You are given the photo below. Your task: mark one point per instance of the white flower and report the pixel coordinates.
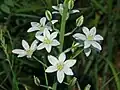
(41, 26)
(59, 9)
(28, 50)
(90, 39)
(61, 66)
(47, 40)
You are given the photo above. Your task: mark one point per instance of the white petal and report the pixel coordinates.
(19, 51)
(46, 33)
(93, 31)
(67, 70)
(54, 21)
(55, 43)
(48, 27)
(53, 60)
(74, 11)
(70, 62)
(79, 36)
(53, 35)
(96, 45)
(60, 76)
(21, 55)
(33, 24)
(43, 21)
(55, 12)
(39, 37)
(33, 29)
(40, 46)
(38, 33)
(87, 51)
(48, 47)
(34, 45)
(86, 31)
(87, 44)
(62, 57)
(25, 45)
(55, 7)
(51, 69)
(98, 37)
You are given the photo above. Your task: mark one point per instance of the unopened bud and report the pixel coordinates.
(70, 4)
(79, 21)
(48, 15)
(36, 81)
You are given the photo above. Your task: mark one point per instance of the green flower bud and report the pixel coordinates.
(48, 15)
(73, 81)
(70, 4)
(79, 21)
(87, 87)
(36, 81)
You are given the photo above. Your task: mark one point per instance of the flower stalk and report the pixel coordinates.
(63, 23)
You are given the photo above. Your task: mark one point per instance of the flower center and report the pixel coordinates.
(47, 41)
(60, 66)
(29, 52)
(90, 37)
(41, 27)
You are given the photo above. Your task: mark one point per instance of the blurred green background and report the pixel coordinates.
(101, 71)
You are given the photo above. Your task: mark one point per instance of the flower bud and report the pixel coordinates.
(87, 87)
(73, 81)
(36, 81)
(79, 21)
(48, 15)
(70, 4)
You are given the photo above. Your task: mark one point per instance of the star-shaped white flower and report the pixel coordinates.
(59, 10)
(28, 50)
(41, 26)
(61, 66)
(48, 40)
(90, 39)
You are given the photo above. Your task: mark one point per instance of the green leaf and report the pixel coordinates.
(5, 8)
(9, 2)
(15, 83)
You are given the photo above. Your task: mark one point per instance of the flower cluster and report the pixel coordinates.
(47, 38)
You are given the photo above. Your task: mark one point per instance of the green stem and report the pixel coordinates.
(63, 23)
(46, 79)
(46, 87)
(40, 61)
(77, 53)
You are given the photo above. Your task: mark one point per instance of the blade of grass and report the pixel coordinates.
(98, 5)
(109, 59)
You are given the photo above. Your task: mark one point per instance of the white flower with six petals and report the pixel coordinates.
(61, 66)
(48, 40)
(90, 39)
(41, 26)
(28, 49)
